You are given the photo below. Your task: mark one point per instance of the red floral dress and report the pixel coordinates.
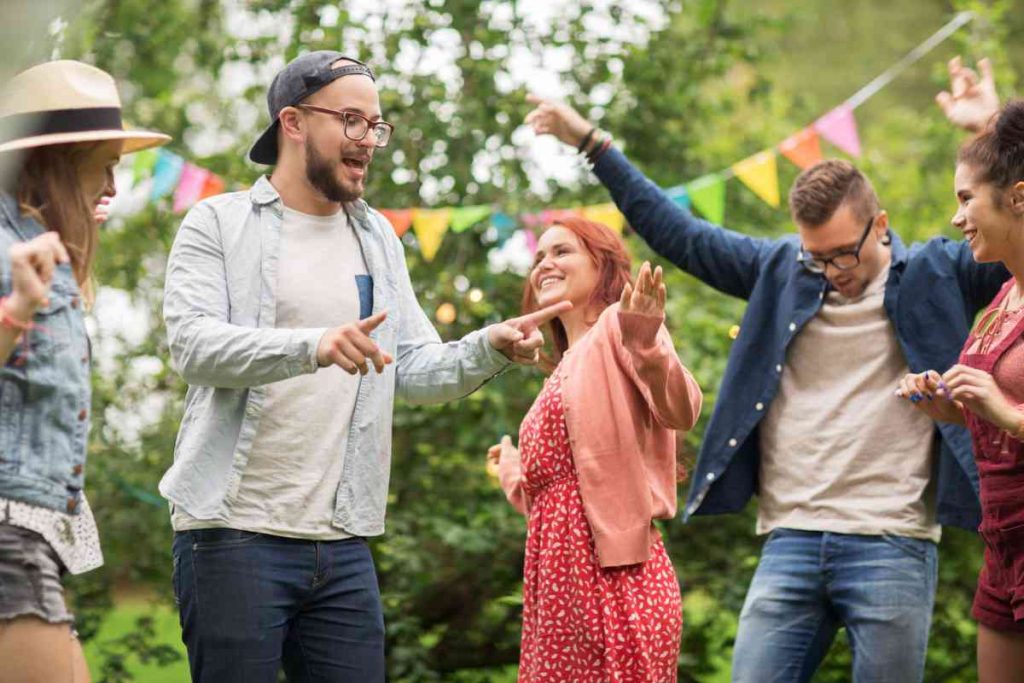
(582, 623)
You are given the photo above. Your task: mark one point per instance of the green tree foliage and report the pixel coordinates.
(687, 87)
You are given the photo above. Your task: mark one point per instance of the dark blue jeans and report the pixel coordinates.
(808, 584)
(251, 604)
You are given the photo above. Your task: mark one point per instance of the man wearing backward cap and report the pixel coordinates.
(278, 301)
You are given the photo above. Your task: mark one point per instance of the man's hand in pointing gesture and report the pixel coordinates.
(350, 347)
(520, 339)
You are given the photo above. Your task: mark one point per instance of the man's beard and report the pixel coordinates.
(320, 173)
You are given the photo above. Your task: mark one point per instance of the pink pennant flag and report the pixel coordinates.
(840, 128)
(190, 187)
(531, 240)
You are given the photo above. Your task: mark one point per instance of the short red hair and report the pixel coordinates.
(614, 265)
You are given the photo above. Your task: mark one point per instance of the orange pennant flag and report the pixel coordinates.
(803, 148)
(400, 219)
(214, 186)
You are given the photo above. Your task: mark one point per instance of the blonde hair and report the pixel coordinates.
(50, 191)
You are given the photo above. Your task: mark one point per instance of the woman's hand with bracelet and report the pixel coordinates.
(559, 119)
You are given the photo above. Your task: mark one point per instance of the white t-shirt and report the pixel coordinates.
(839, 452)
(291, 479)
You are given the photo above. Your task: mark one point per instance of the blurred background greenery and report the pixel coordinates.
(686, 87)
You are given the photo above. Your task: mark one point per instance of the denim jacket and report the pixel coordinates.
(220, 307)
(933, 292)
(45, 393)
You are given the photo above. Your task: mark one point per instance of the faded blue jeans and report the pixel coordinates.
(251, 604)
(808, 584)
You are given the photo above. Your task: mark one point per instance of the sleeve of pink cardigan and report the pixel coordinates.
(646, 348)
(510, 475)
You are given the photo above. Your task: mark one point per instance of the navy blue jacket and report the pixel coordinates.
(933, 292)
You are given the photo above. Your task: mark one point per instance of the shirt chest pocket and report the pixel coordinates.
(54, 323)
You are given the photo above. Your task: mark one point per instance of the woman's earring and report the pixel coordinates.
(887, 240)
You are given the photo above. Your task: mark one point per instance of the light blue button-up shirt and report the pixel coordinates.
(220, 304)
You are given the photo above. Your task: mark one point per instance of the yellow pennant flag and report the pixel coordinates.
(430, 226)
(605, 213)
(761, 175)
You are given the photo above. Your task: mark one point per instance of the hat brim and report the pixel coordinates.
(134, 140)
(264, 151)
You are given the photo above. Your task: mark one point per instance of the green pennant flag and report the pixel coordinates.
(707, 194)
(143, 164)
(466, 216)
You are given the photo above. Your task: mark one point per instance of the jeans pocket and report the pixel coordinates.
(209, 539)
(915, 547)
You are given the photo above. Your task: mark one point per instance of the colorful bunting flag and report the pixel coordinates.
(465, 216)
(190, 187)
(549, 216)
(430, 226)
(400, 219)
(707, 194)
(166, 172)
(803, 148)
(607, 214)
(504, 225)
(143, 164)
(531, 240)
(214, 186)
(760, 173)
(679, 195)
(840, 128)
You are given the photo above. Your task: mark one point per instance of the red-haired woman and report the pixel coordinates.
(596, 464)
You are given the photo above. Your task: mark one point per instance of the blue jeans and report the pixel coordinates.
(809, 583)
(251, 604)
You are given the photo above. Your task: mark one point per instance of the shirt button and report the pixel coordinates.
(732, 443)
(72, 504)
(778, 368)
(711, 476)
(85, 359)
(76, 470)
(759, 406)
(792, 327)
(82, 414)
(74, 302)
(821, 294)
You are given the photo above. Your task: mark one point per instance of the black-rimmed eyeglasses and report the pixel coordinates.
(357, 125)
(845, 259)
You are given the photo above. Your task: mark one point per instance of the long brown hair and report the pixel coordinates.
(50, 191)
(609, 254)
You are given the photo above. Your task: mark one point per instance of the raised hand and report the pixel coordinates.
(558, 119)
(520, 339)
(930, 395)
(972, 102)
(32, 266)
(350, 346)
(647, 296)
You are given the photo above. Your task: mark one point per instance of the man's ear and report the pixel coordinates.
(292, 123)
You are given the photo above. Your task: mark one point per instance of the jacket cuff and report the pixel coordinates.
(311, 340)
(493, 359)
(5, 273)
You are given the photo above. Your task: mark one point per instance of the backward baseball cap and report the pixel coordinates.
(302, 77)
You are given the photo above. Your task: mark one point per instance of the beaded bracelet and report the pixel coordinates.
(586, 139)
(599, 149)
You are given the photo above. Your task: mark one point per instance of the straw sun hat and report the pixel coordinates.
(63, 102)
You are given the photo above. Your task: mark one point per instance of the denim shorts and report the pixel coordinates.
(30, 574)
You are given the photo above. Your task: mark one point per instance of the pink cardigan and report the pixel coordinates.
(625, 392)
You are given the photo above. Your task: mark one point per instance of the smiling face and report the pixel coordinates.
(563, 270)
(982, 215)
(841, 234)
(335, 164)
